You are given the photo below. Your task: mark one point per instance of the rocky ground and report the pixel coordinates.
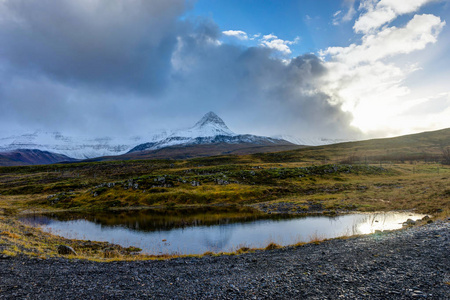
(412, 263)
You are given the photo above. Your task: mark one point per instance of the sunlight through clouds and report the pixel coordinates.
(366, 79)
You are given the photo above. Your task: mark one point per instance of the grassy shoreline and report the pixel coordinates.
(17, 238)
(288, 187)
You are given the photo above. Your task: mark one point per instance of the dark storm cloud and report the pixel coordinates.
(128, 65)
(109, 43)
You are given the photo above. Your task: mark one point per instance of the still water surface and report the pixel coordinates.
(198, 231)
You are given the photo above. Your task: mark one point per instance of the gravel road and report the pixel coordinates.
(408, 264)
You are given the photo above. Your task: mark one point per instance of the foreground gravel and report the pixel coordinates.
(413, 263)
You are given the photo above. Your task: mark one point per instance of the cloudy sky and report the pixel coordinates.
(307, 68)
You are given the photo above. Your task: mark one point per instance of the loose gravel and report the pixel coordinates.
(407, 264)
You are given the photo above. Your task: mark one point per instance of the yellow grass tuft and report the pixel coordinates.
(272, 246)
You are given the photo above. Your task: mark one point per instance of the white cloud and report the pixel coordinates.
(269, 40)
(255, 36)
(273, 42)
(339, 16)
(381, 12)
(351, 12)
(239, 34)
(365, 80)
(420, 31)
(269, 37)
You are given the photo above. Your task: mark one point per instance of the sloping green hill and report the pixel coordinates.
(426, 146)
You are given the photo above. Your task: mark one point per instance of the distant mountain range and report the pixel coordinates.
(209, 136)
(74, 147)
(311, 141)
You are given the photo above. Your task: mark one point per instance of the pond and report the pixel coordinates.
(195, 231)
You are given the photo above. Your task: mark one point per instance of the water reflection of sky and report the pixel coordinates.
(227, 237)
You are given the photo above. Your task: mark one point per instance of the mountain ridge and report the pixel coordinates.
(210, 129)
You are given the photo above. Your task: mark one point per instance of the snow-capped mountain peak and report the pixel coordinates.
(211, 129)
(211, 119)
(210, 125)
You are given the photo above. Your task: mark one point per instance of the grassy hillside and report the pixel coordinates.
(426, 146)
(396, 173)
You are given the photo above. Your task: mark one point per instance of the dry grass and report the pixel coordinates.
(315, 238)
(17, 238)
(424, 190)
(272, 246)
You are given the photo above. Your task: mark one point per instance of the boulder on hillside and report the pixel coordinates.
(66, 250)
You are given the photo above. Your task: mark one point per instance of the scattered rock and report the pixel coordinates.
(222, 182)
(409, 222)
(66, 250)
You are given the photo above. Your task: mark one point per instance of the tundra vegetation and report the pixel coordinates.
(405, 173)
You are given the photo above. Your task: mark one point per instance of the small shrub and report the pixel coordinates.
(272, 246)
(110, 253)
(243, 250)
